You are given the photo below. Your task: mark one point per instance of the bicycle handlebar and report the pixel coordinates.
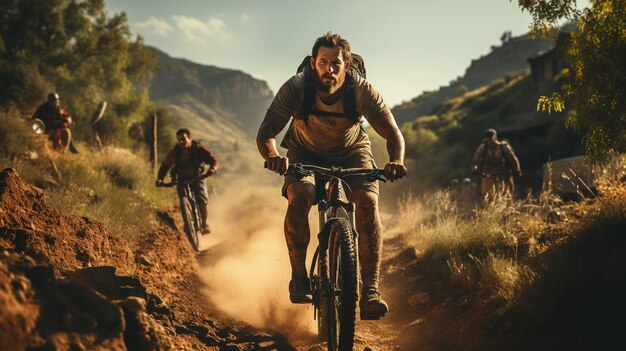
(299, 170)
(185, 182)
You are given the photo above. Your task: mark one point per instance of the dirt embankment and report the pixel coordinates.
(67, 283)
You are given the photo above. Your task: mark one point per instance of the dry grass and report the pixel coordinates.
(502, 246)
(115, 186)
(581, 281)
(479, 248)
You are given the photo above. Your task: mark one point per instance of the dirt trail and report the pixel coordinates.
(68, 283)
(168, 298)
(246, 270)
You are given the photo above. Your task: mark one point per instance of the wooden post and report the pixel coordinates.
(153, 148)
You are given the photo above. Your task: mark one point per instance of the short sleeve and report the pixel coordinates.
(369, 102)
(289, 97)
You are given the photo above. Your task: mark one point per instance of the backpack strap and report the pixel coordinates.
(505, 154)
(174, 170)
(348, 96)
(309, 94)
(482, 161)
(177, 156)
(195, 155)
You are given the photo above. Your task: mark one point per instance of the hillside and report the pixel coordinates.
(221, 107)
(440, 146)
(508, 58)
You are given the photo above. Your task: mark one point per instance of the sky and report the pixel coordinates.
(408, 46)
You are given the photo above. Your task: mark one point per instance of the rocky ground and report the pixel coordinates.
(68, 283)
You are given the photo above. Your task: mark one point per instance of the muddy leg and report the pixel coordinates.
(370, 236)
(297, 232)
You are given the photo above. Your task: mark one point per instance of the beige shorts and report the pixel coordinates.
(361, 159)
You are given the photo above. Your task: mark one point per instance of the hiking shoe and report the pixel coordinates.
(372, 305)
(206, 229)
(300, 290)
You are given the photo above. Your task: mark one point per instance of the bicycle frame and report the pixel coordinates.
(332, 206)
(192, 202)
(191, 198)
(337, 237)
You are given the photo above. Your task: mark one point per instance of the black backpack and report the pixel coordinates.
(357, 68)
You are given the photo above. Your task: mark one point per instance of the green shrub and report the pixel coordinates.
(22, 86)
(418, 139)
(16, 137)
(123, 168)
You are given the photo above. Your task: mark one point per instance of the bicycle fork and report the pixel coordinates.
(320, 285)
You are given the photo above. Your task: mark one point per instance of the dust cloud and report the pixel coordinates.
(246, 266)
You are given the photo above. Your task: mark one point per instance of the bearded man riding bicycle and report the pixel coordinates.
(187, 158)
(321, 134)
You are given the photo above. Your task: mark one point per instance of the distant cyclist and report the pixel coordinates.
(495, 161)
(57, 122)
(326, 134)
(186, 160)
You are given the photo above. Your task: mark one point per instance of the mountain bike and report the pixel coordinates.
(334, 268)
(189, 209)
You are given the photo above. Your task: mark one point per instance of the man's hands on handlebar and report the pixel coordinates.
(394, 171)
(208, 173)
(299, 171)
(277, 164)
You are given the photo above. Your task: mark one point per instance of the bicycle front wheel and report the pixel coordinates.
(190, 218)
(343, 286)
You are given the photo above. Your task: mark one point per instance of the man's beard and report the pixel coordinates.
(331, 87)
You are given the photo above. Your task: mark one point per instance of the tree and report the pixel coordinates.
(71, 46)
(597, 70)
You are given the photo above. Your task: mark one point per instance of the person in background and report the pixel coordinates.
(57, 122)
(186, 160)
(495, 162)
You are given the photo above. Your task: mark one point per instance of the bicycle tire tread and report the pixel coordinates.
(341, 231)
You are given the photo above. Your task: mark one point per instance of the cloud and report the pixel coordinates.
(156, 25)
(245, 18)
(196, 31)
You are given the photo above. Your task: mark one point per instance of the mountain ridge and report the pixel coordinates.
(506, 59)
(222, 107)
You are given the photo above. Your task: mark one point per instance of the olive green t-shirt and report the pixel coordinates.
(327, 136)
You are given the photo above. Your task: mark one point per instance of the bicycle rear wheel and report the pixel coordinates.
(341, 305)
(190, 218)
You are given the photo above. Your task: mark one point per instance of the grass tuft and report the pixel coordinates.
(115, 187)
